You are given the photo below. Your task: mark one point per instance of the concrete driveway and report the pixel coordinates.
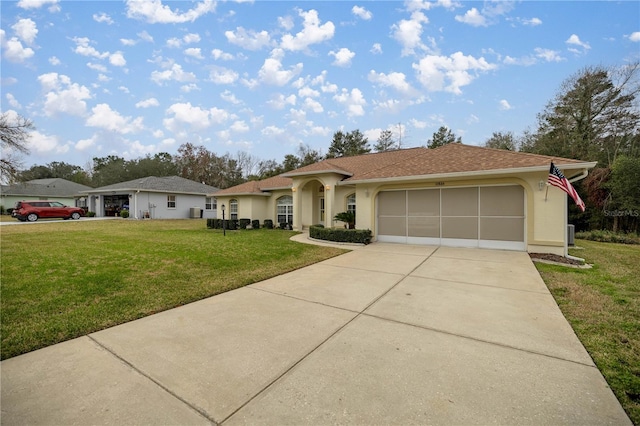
(386, 334)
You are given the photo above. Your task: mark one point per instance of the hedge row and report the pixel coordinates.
(360, 236)
(233, 224)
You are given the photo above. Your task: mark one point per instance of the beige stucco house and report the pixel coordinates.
(455, 195)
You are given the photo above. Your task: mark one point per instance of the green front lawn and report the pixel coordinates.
(603, 307)
(64, 280)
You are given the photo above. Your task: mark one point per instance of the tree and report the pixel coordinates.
(348, 144)
(14, 135)
(625, 191)
(109, 170)
(594, 116)
(385, 142)
(56, 169)
(201, 165)
(443, 137)
(308, 155)
(501, 140)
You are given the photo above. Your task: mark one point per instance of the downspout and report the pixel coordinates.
(581, 176)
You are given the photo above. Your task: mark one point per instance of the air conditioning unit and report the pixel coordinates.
(571, 235)
(194, 213)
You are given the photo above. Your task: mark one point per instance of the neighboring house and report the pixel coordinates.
(170, 197)
(455, 195)
(54, 189)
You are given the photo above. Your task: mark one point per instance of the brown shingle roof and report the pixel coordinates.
(451, 158)
(257, 187)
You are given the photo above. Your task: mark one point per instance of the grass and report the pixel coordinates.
(603, 307)
(64, 280)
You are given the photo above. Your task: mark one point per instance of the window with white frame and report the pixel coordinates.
(171, 201)
(284, 206)
(351, 203)
(233, 209)
(210, 203)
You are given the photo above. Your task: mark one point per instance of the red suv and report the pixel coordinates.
(33, 210)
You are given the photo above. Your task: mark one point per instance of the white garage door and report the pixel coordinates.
(485, 216)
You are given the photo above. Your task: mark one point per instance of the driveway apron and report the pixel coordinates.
(385, 334)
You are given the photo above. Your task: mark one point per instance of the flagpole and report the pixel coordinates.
(546, 192)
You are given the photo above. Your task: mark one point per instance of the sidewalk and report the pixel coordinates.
(385, 334)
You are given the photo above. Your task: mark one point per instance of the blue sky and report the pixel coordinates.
(132, 78)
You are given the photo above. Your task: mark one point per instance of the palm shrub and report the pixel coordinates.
(347, 217)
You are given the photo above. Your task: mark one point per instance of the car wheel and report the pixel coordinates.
(32, 217)
(75, 215)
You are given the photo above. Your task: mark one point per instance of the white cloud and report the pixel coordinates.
(312, 105)
(548, 54)
(418, 124)
(271, 71)
(308, 92)
(635, 37)
(117, 59)
(534, 22)
(312, 32)
(36, 4)
(249, 40)
(353, 101)
(396, 80)
(102, 18)
(62, 95)
(83, 48)
(239, 127)
(154, 12)
(504, 105)
(376, 49)
(272, 131)
(54, 61)
(86, 144)
(221, 75)
(191, 38)
(14, 51)
(176, 73)
(408, 32)
(449, 73)
(343, 57)
(105, 118)
(41, 144)
(219, 54)
(13, 102)
(279, 101)
(96, 67)
(574, 40)
(26, 30)
(230, 97)
(472, 17)
(194, 117)
(151, 102)
(194, 52)
(286, 22)
(361, 13)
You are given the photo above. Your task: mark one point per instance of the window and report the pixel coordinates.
(171, 201)
(233, 209)
(351, 203)
(211, 203)
(284, 206)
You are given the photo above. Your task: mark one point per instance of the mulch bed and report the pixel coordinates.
(555, 258)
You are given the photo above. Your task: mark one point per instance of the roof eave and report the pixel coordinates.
(317, 172)
(474, 173)
(235, 194)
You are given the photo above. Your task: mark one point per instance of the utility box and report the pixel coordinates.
(194, 213)
(571, 235)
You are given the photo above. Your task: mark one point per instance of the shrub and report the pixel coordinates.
(268, 223)
(605, 236)
(10, 210)
(91, 214)
(211, 223)
(1, 209)
(255, 224)
(347, 217)
(285, 225)
(319, 225)
(359, 236)
(243, 223)
(233, 224)
(124, 214)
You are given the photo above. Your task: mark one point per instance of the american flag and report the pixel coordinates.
(556, 178)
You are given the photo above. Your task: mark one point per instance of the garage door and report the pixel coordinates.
(486, 217)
